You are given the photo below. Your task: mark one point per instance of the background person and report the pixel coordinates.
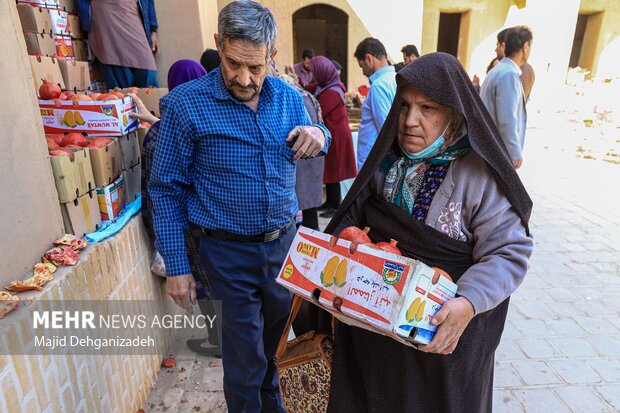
(309, 174)
(340, 161)
(372, 59)
(180, 72)
(422, 186)
(503, 95)
(210, 59)
(123, 38)
(302, 70)
(225, 161)
(410, 53)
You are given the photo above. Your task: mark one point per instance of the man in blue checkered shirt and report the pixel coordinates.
(225, 161)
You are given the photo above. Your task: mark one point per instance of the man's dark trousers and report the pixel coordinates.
(254, 311)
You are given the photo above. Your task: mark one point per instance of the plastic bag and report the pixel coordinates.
(158, 267)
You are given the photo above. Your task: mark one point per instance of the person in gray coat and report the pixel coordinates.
(503, 96)
(309, 174)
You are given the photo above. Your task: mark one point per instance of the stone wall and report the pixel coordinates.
(115, 269)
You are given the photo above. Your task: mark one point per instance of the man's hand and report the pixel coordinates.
(517, 163)
(155, 43)
(452, 319)
(182, 289)
(310, 140)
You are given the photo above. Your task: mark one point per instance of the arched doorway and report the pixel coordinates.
(322, 28)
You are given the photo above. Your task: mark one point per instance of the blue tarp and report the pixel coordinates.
(110, 228)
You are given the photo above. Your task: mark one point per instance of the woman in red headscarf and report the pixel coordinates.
(340, 160)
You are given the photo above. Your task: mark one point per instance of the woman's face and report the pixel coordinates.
(421, 120)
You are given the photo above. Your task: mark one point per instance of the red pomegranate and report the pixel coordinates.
(74, 139)
(389, 247)
(62, 152)
(355, 235)
(99, 142)
(56, 138)
(49, 90)
(51, 144)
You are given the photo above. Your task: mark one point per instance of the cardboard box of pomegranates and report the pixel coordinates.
(366, 286)
(94, 117)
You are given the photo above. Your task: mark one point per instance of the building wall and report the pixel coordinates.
(604, 48)
(115, 269)
(484, 19)
(29, 210)
(184, 32)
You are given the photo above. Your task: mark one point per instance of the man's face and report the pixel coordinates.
(305, 62)
(408, 59)
(499, 50)
(244, 67)
(366, 65)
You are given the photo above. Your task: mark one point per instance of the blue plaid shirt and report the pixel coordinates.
(221, 165)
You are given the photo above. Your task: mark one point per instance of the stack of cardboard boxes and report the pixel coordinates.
(54, 41)
(115, 167)
(95, 182)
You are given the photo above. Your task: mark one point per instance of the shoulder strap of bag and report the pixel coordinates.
(297, 300)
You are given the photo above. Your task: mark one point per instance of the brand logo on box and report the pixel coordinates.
(107, 110)
(392, 272)
(307, 249)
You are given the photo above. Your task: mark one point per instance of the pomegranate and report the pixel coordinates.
(56, 138)
(49, 90)
(78, 97)
(389, 247)
(76, 139)
(356, 235)
(94, 96)
(68, 94)
(62, 152)
(51, 144)
(107, 96)
(99, 142)
(117, 94)
(63, 96)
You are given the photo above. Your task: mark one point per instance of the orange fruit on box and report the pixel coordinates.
(328, 273)
(69, 119)
(341, 273)
(78, 118)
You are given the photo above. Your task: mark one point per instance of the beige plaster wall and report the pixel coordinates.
(184, 32)
(484, 19)
(29, 211)
(604, 49)
(365, 20)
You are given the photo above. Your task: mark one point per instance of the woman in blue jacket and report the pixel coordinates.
(123, 38)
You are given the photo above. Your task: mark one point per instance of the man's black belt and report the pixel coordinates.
(231, 236)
